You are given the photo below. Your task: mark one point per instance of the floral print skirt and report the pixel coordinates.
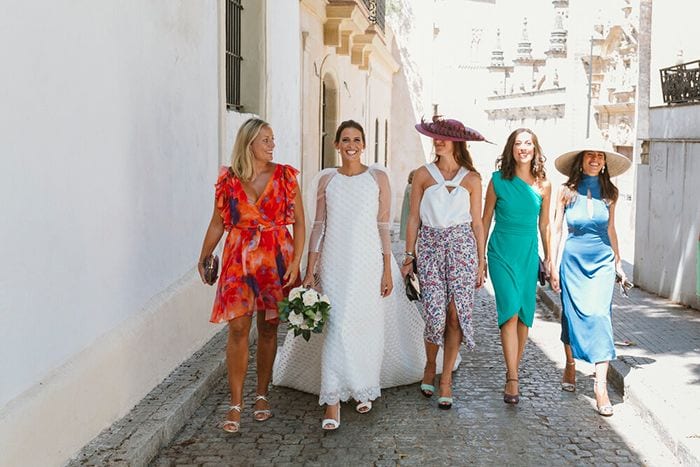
(447, 270)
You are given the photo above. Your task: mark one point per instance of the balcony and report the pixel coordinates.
(356, 28)
(680, 84)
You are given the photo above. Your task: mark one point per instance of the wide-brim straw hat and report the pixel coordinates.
(448, 129)
(615, 163)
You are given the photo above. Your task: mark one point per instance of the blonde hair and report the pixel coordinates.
(242, 155)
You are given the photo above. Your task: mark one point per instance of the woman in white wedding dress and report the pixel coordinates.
(374, 336)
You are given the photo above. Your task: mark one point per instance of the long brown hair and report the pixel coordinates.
(608, 190)
(506, 163)
(462, 156)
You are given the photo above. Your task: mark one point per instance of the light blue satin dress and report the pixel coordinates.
(587, 276)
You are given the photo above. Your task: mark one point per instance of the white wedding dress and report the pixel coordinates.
(368, 342)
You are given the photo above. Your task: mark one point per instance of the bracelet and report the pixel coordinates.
(410, 253)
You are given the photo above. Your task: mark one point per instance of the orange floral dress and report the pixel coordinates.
(258, 246)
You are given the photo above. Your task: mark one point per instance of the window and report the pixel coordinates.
(376, 140)
(233, 54)
(386, 143)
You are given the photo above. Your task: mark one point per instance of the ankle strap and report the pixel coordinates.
(236, 407)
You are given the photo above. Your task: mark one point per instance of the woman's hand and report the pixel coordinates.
(309, 280)
(200, 268)
(291, 275)
(619, 271)
(480, 274)
(407, 268)
(387, 283)
(554, 280)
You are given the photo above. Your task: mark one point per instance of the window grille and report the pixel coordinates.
(233, 54)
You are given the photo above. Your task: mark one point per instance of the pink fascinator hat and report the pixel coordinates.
(449, 130)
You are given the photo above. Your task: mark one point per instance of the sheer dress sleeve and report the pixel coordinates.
(318, 228)
(384, 211)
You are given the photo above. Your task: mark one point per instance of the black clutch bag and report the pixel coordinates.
(211, 269)
(542, 276)
(412, 284)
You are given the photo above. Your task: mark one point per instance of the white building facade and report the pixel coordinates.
(114, 124)
(667, 258)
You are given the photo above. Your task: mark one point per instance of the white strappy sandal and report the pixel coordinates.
(334, 424)
(606, 410)
(232, 426)
(364, 407)
(267, 413)
(569, 387)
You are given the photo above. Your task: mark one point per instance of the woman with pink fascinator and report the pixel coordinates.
(448, 247)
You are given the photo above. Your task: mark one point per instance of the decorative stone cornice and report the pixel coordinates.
(538, 112)
(349, 29)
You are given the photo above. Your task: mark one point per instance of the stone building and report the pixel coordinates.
(548, 90)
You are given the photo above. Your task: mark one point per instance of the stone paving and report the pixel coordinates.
(657, 366)
(548, 427)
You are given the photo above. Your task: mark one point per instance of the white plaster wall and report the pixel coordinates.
(668, 210)
(278, 72)
(283, 79)
(109, 131)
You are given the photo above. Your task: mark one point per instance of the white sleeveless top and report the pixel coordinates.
(441, 207)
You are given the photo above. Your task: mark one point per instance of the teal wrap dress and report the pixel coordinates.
(512, 248)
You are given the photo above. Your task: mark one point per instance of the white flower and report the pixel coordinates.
(295, 319)
(304, 326)
(310, 297)
(325, 299)
(318, 317)
(295, 293)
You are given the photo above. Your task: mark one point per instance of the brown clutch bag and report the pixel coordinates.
(211, 269)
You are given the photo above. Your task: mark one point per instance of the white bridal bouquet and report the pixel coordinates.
(305, 310)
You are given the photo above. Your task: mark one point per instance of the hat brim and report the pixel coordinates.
(422, 130)
(616, 163)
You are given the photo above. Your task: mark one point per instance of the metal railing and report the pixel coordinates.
(681, 83)
(377, 12)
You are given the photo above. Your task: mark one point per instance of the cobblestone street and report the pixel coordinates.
(548, 427)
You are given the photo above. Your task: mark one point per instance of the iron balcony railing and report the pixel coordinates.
(377, 12)
(681, 83)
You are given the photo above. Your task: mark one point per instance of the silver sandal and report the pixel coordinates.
(266, 413)
(607, 409)
(232, 426)
(569, 387)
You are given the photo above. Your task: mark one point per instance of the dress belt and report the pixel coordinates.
(254, 241)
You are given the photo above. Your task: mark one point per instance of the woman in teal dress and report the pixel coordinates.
(589, 261)
(519, 195)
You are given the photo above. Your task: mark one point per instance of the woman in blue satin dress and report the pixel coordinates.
(589, 261)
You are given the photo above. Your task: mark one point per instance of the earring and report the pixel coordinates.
(580, 169)
(603, 169)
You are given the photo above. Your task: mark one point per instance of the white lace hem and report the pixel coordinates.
(363, 395)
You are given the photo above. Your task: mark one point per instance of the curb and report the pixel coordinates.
(627, 382)
(136, 438)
